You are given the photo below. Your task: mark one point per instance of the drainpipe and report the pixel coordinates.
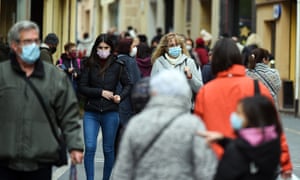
(297, 59)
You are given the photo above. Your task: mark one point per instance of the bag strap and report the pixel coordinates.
(256, 88)
(153, 140)
(39, 96)
(264, 79)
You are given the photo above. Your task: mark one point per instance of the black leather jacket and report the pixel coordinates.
(91, 84)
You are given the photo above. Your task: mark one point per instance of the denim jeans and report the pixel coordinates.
(92, 121)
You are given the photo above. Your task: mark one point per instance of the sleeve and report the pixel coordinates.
(155, 68)
(285, 159)
(125, 82)
(84, 85)
(199, 107)
(67, 113)
(124, 166)
(196, 82)
(230, 166)
(204, 158)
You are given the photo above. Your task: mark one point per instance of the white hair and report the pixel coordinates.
(170, 83)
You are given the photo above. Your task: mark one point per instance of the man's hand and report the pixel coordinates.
(76, 157)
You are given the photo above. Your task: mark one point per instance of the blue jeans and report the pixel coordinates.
(92, 121)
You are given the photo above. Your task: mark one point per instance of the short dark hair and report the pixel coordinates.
(143, 50)
(52, 39)
(68, 46)
(124, 46)
(225, 54)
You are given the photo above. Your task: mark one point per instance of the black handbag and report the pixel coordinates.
(63, 158)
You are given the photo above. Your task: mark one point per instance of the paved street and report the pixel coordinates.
(291, 128)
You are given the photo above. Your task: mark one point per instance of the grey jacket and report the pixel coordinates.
(162, 63)
(25, 133)
(178, 154)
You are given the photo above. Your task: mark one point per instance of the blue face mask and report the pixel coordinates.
(30, 53)
(174, 51)
(236, 121)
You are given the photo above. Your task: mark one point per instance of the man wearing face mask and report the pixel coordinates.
(48, 48)
(29, 142)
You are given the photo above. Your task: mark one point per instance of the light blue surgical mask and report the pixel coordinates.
(236, 121)
(174, 51)
(30, 53)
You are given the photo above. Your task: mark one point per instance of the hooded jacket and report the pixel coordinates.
(25, 133)
(144, 65)
(241, 161)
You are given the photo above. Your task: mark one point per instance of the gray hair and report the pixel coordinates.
(171, 83)
(14, 32)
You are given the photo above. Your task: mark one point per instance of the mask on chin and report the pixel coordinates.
(30, 53)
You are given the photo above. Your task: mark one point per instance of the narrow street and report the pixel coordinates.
(291, 127)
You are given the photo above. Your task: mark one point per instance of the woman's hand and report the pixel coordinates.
(116, 99)
(107, 94)
(210, 136)
(187, 72)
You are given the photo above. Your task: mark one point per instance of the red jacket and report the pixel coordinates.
(219, 97)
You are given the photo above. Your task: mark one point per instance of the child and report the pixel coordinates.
(255, 153)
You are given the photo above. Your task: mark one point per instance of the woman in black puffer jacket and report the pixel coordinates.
(99, 79)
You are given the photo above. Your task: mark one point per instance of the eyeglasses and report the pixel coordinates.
(29, 41)
(103, 47)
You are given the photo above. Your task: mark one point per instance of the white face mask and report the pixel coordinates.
(133, 52)
(188, 47)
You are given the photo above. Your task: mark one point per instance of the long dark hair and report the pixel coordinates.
(260, 111)
(225, 54)
(94, 58)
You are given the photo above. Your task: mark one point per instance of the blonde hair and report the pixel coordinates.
(162, 46)
(254, 39)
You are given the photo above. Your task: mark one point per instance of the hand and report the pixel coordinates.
(286, 174)
(70, 69)
(210, 136)
(187, 72)
(107, 94)
(117, 99)
(76, 157)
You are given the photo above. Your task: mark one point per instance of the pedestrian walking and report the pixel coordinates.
(160, 142)
(217, 99)
(70, 63)
(48, 48)
(143, 59)
(98, 83)
(255, 153)
(258, 69)
(171, 53)
(32, 116)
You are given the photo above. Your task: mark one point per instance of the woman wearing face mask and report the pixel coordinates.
(99, 80)
(255, 153)
(171, 53)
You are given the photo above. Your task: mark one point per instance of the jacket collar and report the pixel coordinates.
(38, 69)
(234, 70)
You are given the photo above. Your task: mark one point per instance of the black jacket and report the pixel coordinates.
(240, 158)
(91, 84)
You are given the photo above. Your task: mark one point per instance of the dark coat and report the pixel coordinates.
(91, 84)
(240, 156)
(207, 74)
